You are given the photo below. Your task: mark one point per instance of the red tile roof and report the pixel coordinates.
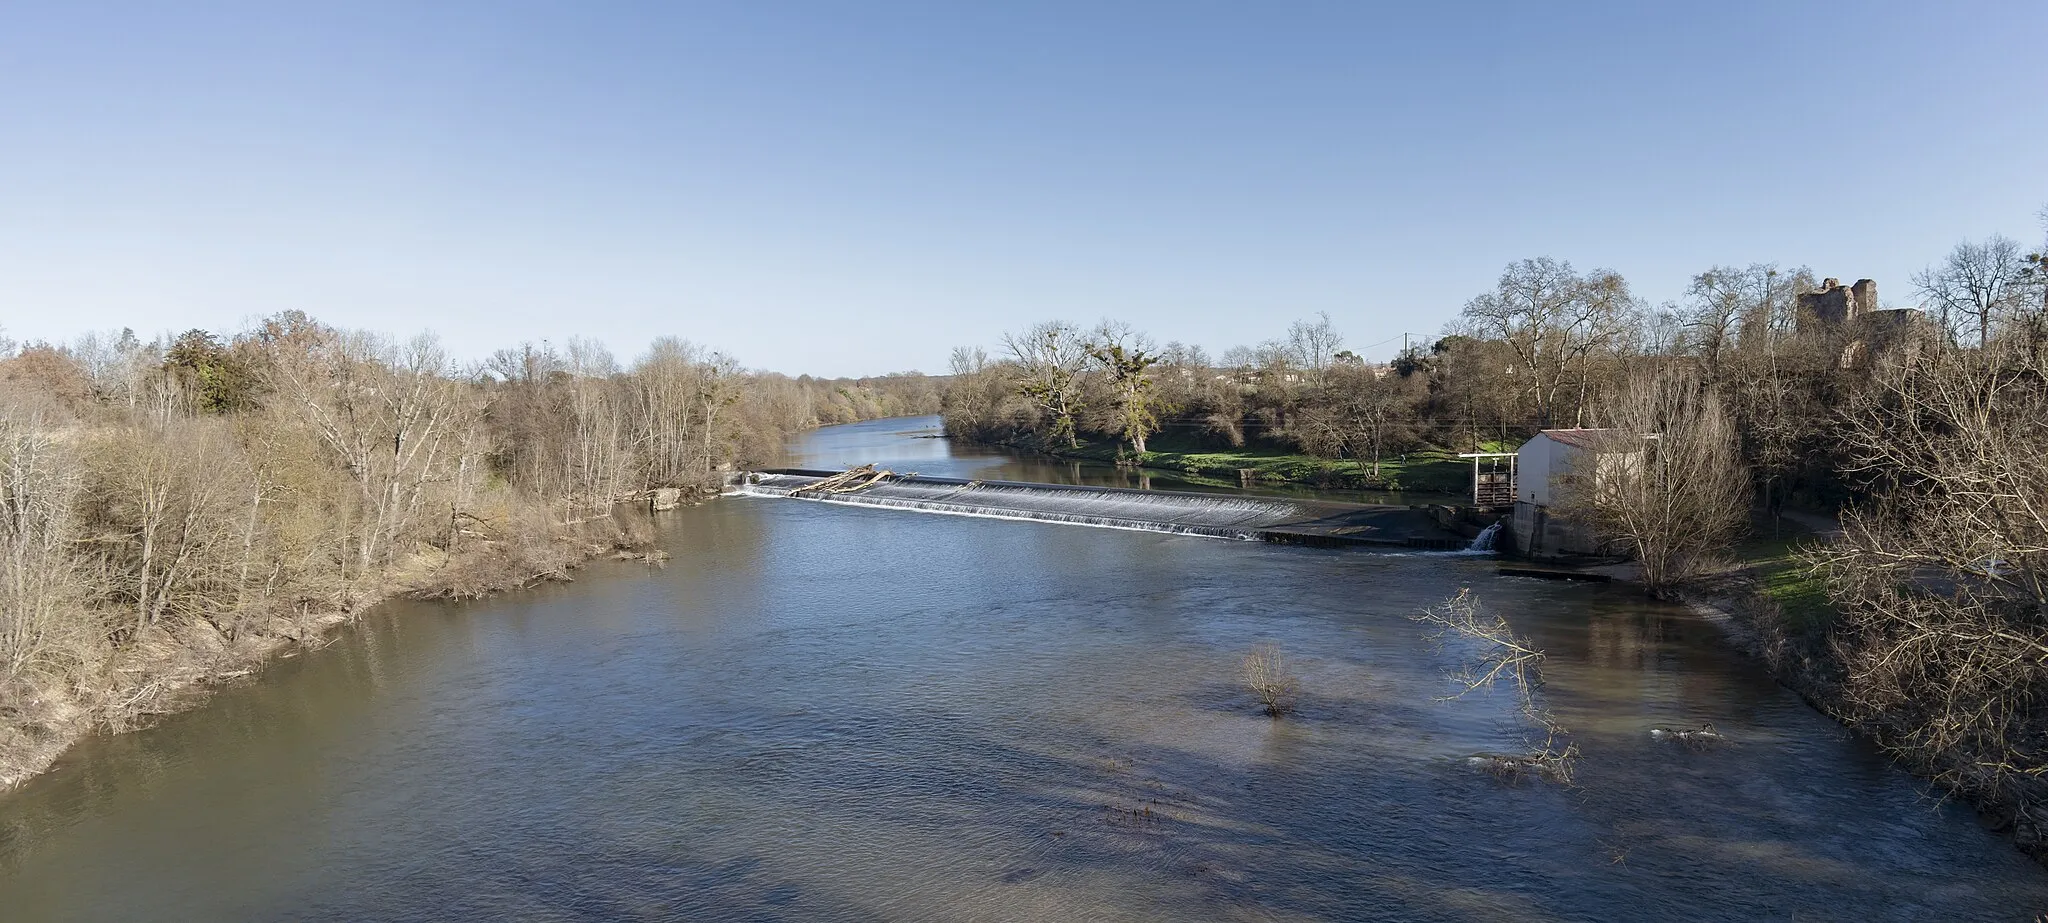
(1577, 438)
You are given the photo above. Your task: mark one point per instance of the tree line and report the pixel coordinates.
(172, 507)
(1925, 431)
(1544, 348)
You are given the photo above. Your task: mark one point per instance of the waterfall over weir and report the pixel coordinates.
(1245, 518)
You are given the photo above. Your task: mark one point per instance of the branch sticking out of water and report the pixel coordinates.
(1502, 654)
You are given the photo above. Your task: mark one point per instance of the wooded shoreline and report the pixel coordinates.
(182, 510)
(170, 671)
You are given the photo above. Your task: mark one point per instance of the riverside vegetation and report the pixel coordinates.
(175, 511)
(1924, 624)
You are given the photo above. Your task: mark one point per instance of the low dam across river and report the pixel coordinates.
(816, 713)
(1245, 518)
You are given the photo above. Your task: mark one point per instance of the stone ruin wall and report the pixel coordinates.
(1851, 313)
(1835, 305)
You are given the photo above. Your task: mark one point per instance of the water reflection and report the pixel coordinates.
(826, 713)
(918, 445)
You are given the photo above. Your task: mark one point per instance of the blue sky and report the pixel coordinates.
(853, 188)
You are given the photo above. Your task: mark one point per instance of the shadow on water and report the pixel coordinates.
(818, 713)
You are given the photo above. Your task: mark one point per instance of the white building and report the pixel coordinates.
(1541, 466)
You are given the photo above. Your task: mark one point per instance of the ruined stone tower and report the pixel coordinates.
(1834, 305)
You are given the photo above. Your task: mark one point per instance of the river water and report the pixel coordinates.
(817, 712)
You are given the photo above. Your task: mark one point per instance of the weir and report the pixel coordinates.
(1230, 516)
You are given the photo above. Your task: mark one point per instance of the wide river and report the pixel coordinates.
(818, 712)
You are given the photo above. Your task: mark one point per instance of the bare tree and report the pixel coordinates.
(1775, 383)
(393, 414)
(1266, 675)
(1312, 347)
(1717, 302)
(169, 502)
(980, 400)
(684, 393)
(1050, 357)
(40, 586)
(1665, 478)
(1556, 323)
(1942, 581)
(600, 461)
(1977, 287)
(1125, 358)
(1379, 409)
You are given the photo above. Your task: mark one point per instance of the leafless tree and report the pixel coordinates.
(1380, 408)
(684, 394)
(1977, 287)
(981, 400)
(1266, 675)
(1125, 359)
(1556, 323)
(1942, 581)
(1050, 357)
(1717, 303)
(1665, 478)
(393, 414)
(40, 587)
(1312, 347)
(170, 506)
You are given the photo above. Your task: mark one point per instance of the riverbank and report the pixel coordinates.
(1775, 607)
(171, 668)
(1047, 717)
(1427, 471)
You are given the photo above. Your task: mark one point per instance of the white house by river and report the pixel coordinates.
(1544, 464)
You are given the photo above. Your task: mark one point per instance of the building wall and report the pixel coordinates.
(1539, 535)
(1535, 462)
(1538, 464)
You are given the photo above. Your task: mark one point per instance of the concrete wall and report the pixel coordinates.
(1535, 463)
(1540, 535)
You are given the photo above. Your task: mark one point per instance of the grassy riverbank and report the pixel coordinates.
(1787, 582)
(1430, 470)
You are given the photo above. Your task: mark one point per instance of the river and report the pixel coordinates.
(817, 712)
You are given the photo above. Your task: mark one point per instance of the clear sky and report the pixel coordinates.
(855, 187)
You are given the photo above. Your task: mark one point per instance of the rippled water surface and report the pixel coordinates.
(829, 713)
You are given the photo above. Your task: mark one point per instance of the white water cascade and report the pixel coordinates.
(1484, 540)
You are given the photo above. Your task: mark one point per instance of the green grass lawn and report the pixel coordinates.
(1784, 578)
